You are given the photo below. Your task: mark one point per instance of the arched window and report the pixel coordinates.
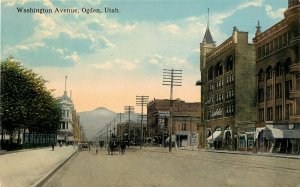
(210, 73)
(269, 73)
(229, 63)
(218, 70)
(261, 75)
(287, 63)
(278, 69)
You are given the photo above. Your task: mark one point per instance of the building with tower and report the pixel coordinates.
(278, 83)
(228, 92)
(65, 132)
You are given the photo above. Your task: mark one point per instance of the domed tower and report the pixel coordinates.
(65, 133)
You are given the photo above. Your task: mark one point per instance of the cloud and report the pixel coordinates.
(274, 14)
(80, 43)
(115, 64)
(171, 28)
(219, 17)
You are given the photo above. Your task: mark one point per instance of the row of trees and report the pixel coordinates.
(25, 101)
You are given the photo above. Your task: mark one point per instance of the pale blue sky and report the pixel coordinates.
(111, 58)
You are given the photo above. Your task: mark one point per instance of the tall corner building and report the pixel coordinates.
(278, 83)
(228, 91)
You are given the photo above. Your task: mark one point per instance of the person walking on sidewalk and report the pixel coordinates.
(52, 145)
(96, 150)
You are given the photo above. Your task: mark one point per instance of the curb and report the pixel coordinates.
(258, 154)
(40, 182)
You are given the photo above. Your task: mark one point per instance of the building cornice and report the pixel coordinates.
(221, 48)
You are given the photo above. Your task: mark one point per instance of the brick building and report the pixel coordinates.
(278, 83)
(186, 118)
(228, 92)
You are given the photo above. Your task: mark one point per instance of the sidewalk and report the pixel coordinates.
(258, 154)
(25, 168)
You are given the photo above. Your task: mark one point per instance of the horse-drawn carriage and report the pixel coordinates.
(115, 146)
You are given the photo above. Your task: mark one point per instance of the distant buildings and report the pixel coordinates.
(278, 83)
(186, 117)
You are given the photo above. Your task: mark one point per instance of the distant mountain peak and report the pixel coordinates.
(101, 108)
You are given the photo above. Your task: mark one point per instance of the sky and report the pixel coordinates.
(110, 58)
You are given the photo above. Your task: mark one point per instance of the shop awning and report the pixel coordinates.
(173, 138)
(216, 135)
(273, 133)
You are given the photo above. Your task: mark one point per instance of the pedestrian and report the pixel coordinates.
(96, 150)
(52, 145)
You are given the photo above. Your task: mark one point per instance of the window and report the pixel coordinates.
(229, 110)
(263, 51)
(278, 91)
(259, 53)
(260, 75)
(229, 63)
(288, 88)
(261, 95)
(63, 113)
(278, 69)
(269, 93)
(278, 113)
(210, 73)
(67, 113)
(288, 111)
(284, 39)
(67, 127)
(269, 73)
(267, 48)
(183, 126)
(261, 115)
(219, 98)
(280, 41)
(229, 79)
(218, 70)
(210, 87)
(63, 125)
(275, 44)
(269, 114)
(271, 47)
(298, 81)
(219, 84)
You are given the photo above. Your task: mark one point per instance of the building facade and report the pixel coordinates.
(65, 134)
(278, 83)
(228, 92)
(186, 118)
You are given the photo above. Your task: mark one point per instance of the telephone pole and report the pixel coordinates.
(142, 101)
(129, 110)
(171, 77)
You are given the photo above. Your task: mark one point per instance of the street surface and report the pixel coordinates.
(157, 167)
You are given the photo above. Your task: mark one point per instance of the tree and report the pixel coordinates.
(25, 101)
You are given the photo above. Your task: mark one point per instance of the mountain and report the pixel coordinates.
(94, 121)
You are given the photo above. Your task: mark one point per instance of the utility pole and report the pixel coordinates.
(171, 77)
(142, 101)
(129, 110)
